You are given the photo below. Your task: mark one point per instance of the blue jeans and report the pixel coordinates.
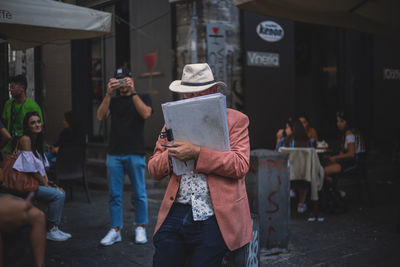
(134, 166)
(55, 198)
(181, 240)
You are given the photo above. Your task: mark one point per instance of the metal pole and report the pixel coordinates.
(194, 33)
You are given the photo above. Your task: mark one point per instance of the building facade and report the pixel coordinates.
(274, 68)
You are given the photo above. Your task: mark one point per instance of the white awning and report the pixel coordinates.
(373, 16)
(28, 23)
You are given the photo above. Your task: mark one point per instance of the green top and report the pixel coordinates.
(20, 111)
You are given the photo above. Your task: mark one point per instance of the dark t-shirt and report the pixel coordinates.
(127, 126)
(68, 137)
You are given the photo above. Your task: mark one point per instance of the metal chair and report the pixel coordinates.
(357, 175)
(70, 165)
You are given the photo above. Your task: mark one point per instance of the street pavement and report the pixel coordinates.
(363, 236)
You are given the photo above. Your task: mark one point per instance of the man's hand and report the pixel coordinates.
(112, 85)
(45, 181)
(279, 134)
(130, 83)
(184, 151)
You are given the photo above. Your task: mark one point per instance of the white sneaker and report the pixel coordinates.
(55, 235)
(111, 237)
(140, 235)
(301, 208)
(63, 233)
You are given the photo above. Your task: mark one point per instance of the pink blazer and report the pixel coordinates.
(225, 177)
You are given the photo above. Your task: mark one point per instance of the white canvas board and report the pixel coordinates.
(199, 120)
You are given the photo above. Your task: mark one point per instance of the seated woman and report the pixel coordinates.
(32, 159)
(296, 137)
(16, 213)
(284, 136)
(350, 145)
(311, 132)
(69, 135)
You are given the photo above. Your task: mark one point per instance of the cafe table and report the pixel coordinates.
(304, 165)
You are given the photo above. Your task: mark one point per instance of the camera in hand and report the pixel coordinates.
(122, 82)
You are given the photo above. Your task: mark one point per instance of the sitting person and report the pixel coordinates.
(350, 145)
(311, 132)
(16, 213)
(31, 159)
(296, 136)
(69, 135)
(284, 135)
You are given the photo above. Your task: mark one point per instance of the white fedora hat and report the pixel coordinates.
(195, 78)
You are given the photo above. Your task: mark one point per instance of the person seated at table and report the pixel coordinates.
(284, 134)
(311, 132)
(296, 136)
(351, 144)
(69, 135)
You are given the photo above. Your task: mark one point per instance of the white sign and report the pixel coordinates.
(262, 59)
(270, 31)
(391, 74)
(216, 54)
(200, 120)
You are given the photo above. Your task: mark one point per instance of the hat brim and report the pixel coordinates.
(177, 87)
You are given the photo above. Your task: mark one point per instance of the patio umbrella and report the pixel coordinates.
(28, 23)
(373, 16)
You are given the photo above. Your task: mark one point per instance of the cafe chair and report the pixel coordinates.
(356, 176)
(70, 166)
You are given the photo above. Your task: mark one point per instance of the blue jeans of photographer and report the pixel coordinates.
(55, 198)
(134, 166)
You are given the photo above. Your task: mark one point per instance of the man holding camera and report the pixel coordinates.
(128, 111)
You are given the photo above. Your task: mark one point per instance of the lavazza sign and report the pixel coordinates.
(270, 31)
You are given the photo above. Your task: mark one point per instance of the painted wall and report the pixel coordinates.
(188, 30)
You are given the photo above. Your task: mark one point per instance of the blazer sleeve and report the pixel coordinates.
(234, 163)
(159, 166)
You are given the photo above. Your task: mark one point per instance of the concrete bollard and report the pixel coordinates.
(268, 186)
(248, 255)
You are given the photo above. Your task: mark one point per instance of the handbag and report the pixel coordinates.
(16, 181)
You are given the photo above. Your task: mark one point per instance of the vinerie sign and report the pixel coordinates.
(262, 59)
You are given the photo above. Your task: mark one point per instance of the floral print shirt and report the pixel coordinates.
(194, 190)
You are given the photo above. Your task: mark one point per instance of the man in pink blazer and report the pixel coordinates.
(206, 212)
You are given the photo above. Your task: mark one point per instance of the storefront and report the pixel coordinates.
(305, 68)
(139, 30)
(72, 75)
